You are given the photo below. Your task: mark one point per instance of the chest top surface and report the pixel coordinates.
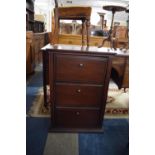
(83, 49)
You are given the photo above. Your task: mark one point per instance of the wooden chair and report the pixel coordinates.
(71, 13)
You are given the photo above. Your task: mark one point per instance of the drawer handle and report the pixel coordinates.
(78, 90)
(77, 113)
(81, 65)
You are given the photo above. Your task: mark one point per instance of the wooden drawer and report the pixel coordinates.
(80, 68)
(76, 118)
(78, 95)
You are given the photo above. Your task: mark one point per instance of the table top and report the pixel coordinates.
(85, 49)
(114, 8)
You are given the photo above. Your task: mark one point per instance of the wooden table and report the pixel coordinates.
(113, 9)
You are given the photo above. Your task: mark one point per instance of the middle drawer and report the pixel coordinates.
(70, 95)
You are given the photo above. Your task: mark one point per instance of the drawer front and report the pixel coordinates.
(78, 95)
(74, 118)
(80, 68)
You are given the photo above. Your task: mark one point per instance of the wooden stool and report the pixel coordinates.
(71, 13)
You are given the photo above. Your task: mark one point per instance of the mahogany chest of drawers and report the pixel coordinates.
(78, 81)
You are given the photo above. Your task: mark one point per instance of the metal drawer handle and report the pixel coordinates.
(77, 113)
(78, 90)
(81, 65)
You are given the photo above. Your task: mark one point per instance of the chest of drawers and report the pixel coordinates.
(78, 89)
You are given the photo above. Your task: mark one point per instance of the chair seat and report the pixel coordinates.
(74, 12)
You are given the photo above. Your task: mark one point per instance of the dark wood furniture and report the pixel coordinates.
(120, 73)
(113, 9)
(40, 40)
(31, 24)
(30, 56)
(119, 70)
(30, 15)
(38, 26)
(34, 42)
(78, 79)
(71, 13)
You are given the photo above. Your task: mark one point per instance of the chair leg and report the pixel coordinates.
(88, 29)
(56, 28)
(44, 80)
(83, 22)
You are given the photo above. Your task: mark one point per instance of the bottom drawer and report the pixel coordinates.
(77, 118)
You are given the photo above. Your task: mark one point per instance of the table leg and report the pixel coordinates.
(44, 80)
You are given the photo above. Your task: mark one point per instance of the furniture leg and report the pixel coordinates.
(56, 28)
(83, 22)
(44, 81)
(88, 29)
(124, 90)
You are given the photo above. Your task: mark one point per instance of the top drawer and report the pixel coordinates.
(80, 68)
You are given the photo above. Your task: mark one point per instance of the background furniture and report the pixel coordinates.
(71, 39)
(30, 15)
(121, 33)
(31, 24)
(76, 40)
(78, 80)
(40, 40)
(30, 56)
(34, 42)
(102, 21)
(71, 13)
(113, 9)
(38, 26)
(120, 71)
